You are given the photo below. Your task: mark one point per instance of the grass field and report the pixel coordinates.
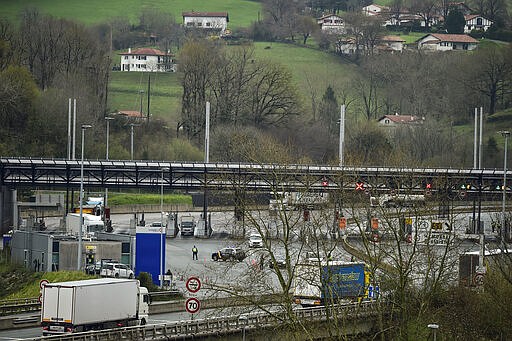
(165, 93)
(241, 12)
(310, 69)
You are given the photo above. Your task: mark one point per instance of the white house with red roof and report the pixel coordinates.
(148, 60)
(331, 23)
(447, 42)
(215, 21)
(476, 22)
(391, 43)
(399, 120)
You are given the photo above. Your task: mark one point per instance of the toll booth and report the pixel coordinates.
(150, 251)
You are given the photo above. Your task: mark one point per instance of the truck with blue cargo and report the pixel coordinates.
(94, 304)
(318, 283)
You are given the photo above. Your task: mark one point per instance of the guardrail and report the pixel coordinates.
(223, 325)
(19, 305)
(26, 305)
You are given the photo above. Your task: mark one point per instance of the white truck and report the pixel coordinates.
(103, 303)
(398, 200)
(92, 223)
(187, 225)
(297, 200)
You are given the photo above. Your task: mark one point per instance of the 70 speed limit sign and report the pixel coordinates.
(192, 305)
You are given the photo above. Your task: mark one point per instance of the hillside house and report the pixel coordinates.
(397, 120)
(386, 44)
(447, 42)
(331, 23)
(391, 44)
(214, 21)
(147, 60)
(375, 9)
(476, 22)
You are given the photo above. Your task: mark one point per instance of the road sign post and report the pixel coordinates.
(192, 304)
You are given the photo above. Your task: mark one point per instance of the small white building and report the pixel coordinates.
(476, 22)
(148, 60)
(331, 23)
(375, 9)
(216, 21)
(391, 44)
(447, 42)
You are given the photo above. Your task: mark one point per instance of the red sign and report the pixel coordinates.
(42, 283)
(193, 284)
(359, 186)
(192, 305)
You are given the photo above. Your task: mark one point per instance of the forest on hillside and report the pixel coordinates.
(259, 113)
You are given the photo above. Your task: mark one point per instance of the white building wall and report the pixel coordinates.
(206, 22)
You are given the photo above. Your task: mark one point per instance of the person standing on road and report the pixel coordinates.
(194, 253)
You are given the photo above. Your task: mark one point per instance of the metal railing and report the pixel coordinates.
(224, 325)
(19, 305)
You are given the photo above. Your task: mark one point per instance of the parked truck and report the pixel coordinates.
(92, 223)
(103, 303)
(398, 200)
(298, 200)
(187, 225)
(329, 281)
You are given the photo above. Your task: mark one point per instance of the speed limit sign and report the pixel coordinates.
(192, 305)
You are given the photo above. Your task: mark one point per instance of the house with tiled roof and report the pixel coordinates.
(147, 60)
(391, 43)
(213, 21)
(399, 120)
(447, 42)
(331, 23)
(476, 22)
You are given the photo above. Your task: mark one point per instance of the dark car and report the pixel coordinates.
(229, 253)
(280, 262)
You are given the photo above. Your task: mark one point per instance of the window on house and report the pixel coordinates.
(199, 24)
(190, 23)
(125, 57)
(479, 21)
(208, 24)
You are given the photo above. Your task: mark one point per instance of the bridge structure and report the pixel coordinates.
(189, 176)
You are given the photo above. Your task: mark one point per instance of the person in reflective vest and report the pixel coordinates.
(194, 253)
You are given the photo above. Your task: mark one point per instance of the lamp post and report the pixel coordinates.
(131, 140)
(107, 119)
(141, 92)
(79, 253)
(503, 230)
(162, 224)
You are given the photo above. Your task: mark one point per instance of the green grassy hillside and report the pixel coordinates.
(312, 71)
(241, 12)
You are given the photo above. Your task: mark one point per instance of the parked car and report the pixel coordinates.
(255, 240)
(116, 270)
(95, 269)
(229, 253)
(280, 262)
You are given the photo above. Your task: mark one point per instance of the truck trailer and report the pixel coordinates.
(94, 304)
(329, 282)
(92, 223)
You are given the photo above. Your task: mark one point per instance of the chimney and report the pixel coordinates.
(129, 50)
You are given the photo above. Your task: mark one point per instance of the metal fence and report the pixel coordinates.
(224, 325)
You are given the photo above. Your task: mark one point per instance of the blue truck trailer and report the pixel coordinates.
(318, 283)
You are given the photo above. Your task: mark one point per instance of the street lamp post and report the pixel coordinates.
(131, 140)
(141, 92)
(162, 224)
(503, 230)
(79, 253)
(107, 119)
